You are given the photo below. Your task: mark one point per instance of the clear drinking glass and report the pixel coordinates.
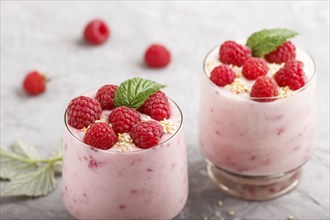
(145, 184)
(256, 150)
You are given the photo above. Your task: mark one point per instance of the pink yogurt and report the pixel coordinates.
(135, 184)
(243, 136)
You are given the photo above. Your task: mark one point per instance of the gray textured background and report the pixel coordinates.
(47, 36)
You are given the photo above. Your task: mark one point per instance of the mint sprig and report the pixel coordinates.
(266, 41)
(133, 92)
(29, 175)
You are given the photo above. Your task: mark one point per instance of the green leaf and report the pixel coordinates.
(14, 165)
(25, 150)
(266, 41)
(37, 183)
(133, 92)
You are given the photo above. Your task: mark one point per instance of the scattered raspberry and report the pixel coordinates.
(105, 96)
(264, 87)
(123, 119)
(83, 111)
(156, 106)
(222, 75)
(291, 75)
(34, 83)
(96, 32)
(254, 67)
(100, 135)
(146, 134)
(157, 56)
(233, 53)
(282, 54)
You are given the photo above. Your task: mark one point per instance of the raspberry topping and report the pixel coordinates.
(156, 106)
(233, 53)
(100, 135)
(222, 75)
(157, 56)
(146, 134)
(254, 67)
(282, 54)
(105, 96)
(83, 111)
(34, 83)
(96, 32)
(264, 87)
(123, 119)
(291, 75)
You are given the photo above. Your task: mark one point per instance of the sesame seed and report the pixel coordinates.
(220, 203)
(290, 217)
(231, 213)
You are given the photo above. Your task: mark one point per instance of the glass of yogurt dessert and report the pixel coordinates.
(257, 117)
(124, 154)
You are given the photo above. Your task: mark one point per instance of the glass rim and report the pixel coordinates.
(294, 92)
(126, 152)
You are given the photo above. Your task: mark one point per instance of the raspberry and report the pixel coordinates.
(157, 56)
(156, 106)
(34, 83)
(96, 32)
(233, 53)
(105, 96)
(282, 54)
(100, 135)
(254, 67)
(146, 134)
(222, 75)
(291, 75)
(83, 111)
(264, 87)
(123, 119)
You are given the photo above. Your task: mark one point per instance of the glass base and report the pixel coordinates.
(254, 188)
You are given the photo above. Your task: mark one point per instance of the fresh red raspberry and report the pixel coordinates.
(34, 83)
(291, 75)
(105, 96)
(100, 135)
(264, 87)
(157, 106)
(254, 67)
(282, 54)
(146, 134)
(123, 119)
(83, 111)
(96, 32)
(222, 75)
(233, 53)
(157, 56)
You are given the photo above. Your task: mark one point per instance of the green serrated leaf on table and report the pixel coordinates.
(37, 183)
(266, 41)
(25, 150)
(133, 92)
(14, 165)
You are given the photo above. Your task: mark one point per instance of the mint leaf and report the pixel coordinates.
(133, 92)
(37, 183)
(266, 41)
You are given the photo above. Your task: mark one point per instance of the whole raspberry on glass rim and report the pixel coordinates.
(222, 75)
(291, 75)
(282, 54)
(100, 135)
(122, 108)
(96, 32)
(264, 88)
(233, 53)
(34, 83)
(157, 56)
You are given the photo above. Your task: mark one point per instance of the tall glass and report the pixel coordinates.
(255, 150)
(144, 184)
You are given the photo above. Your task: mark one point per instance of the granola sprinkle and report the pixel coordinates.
(169, 126)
